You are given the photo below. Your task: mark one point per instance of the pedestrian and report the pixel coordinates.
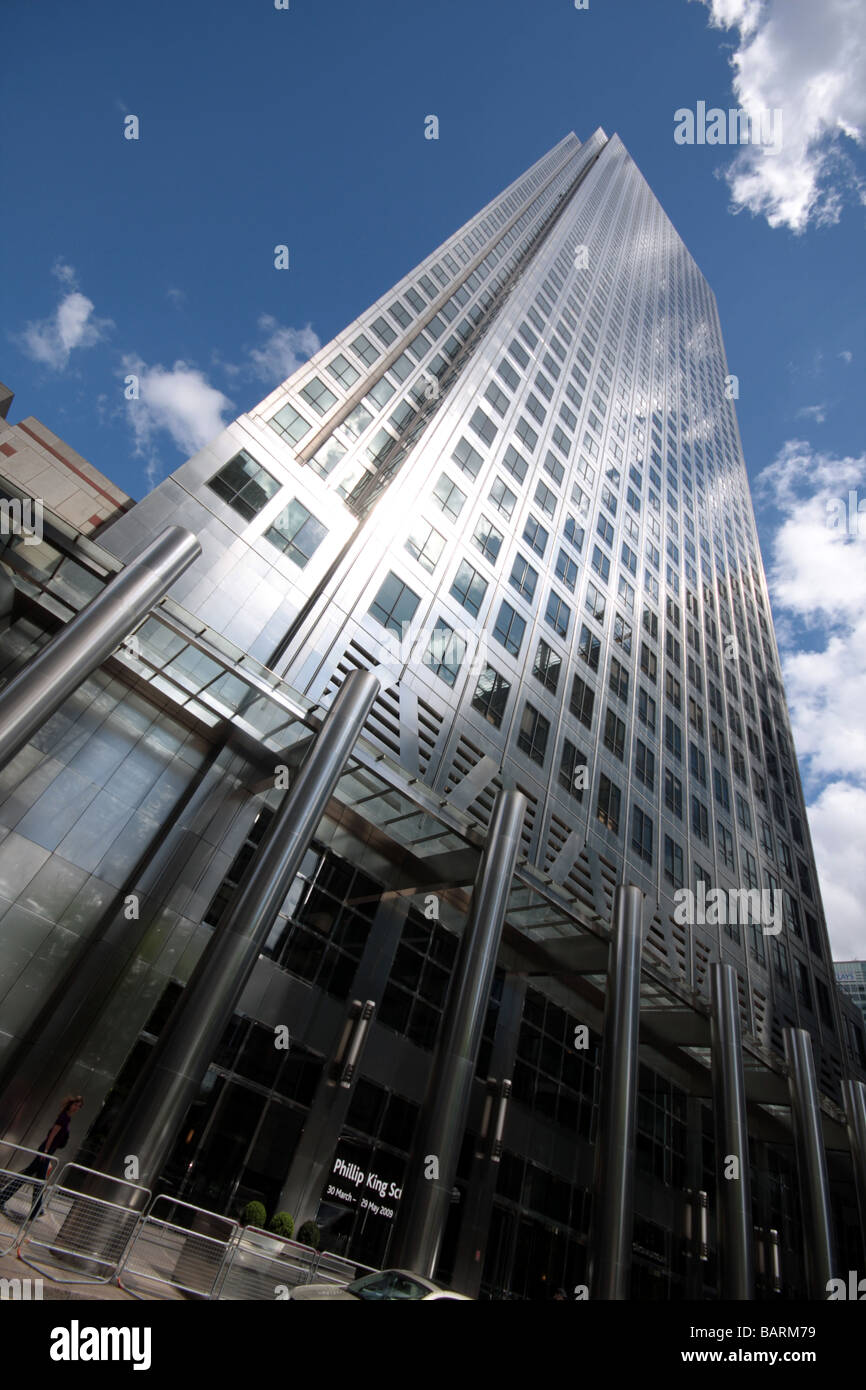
(57, 1138)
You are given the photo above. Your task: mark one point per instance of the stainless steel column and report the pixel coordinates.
(613, 1203)
(733, 1195)
(811, 1161)
(174, 1072)
(425, 1201)
(854, 1093)
(91, 636)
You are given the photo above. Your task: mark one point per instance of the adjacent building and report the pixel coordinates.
(514, 491)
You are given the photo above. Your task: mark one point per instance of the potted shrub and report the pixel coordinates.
(254, 1214)
(282, 1224)
(309, 1234)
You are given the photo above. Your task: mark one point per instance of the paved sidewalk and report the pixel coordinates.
(11, 1268)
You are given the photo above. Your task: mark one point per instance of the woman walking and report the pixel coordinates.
(57, 1138)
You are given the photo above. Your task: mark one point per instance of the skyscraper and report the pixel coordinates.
(514, 491)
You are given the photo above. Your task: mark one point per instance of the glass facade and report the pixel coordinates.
(514, 489)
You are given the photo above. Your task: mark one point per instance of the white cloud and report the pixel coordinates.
(818, 413)
(841, 854)
(846, 356)
(73, 324)
(179, 402)
(809, 61)
(817, 576)
(284, 350)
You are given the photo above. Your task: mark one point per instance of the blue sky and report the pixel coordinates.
(306, 127)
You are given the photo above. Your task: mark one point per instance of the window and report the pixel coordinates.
(342, 370)
(488, 540)
(648, 662)
(700, 820)
(445, 652)
(673, 862)
(297, 533)
(744, 815)
(608, 808)
(395, 604)
(449, 497)
(566, 570)
(425, 545)
(589, 647)
(469, 587)
(645, 765)
(622, 633)
(526, 434)
(379, 395)
(573, 774)
(523, 577)
(673, 738)
(508, 374)
(554, 468)
(582, 701)
(290, 425)
(646, 708)
(535, 534)
(357, 421)
(725, 841)
(697, 764)
(673, 794)
(400, 314)
(319, 396)
(547, 666)
(515, 463)
(509, 628)
(497, 398)
(605, 530)
(642, 834)
(557, 613)
(533, 734)
(721, 790)
(244, 485)
(491, 695)
(614, 733)
(651, 623)
(365, 349)
(502, 497)
(545, 498)
(618, 679)
(574, 533)
(327, 456)
(600, 562)
(467, 458)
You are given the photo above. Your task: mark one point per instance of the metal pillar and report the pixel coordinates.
(613, 1206)
(86, 640)
(475, 1226)
(174, 1072)
(425, 1202)
(733, 1196)
(854, 1094)
(811, 1161)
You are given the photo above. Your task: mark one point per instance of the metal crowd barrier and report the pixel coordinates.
(178, 1246)
(80, 1230)
(253, 1273)
(87, 1227)
(15, 1205)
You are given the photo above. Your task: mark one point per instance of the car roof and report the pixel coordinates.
(419, 1278)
